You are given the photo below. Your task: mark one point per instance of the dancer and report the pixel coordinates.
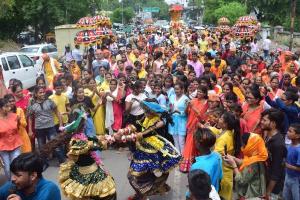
(82, 176)
(154, 154)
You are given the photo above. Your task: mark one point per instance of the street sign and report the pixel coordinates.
(151, 9)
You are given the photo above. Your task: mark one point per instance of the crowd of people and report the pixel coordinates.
(230, 110)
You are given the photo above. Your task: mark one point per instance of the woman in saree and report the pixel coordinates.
(228, 142)
(196, 110)
(105, 85)
(154, 154)
(114, 106)
(97, 96)
(253, 108)
(74, 69)
(274, 90)
(22, 96)
(250, 171)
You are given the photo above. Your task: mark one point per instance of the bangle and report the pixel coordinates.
(235, 167)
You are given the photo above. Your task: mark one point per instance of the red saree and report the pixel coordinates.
(252, 117)
(118, 110)
(196, 112)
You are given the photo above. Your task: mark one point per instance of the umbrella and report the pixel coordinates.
(150, 29)
(102, 31)
(247, 20)
(86, 22)
(85, 37)
(102, 20)
(223, 21)
(243, 32)
(224, 28)
(176, 8)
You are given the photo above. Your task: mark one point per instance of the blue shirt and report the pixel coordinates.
(45, 190)
(212, 165)
(293, 158)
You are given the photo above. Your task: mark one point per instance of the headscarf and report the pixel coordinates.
(153, 107)
(254, 151)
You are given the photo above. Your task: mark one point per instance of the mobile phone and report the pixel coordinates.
(225, 150)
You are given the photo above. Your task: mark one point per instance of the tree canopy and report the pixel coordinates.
(128, 13)
(44, 15)
(275, 12)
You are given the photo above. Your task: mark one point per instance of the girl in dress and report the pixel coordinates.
(82, 176)
(153, 155)
(178, 104)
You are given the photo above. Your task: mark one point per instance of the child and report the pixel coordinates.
(160, 97)
(80, 101)
(200, 186)
(292, 178)
(61, 101)
(40, 81)
(210, 162)
(67, 90)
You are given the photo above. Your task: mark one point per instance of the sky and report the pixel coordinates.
(184, 2)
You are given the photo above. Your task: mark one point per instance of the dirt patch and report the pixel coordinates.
(9, 46)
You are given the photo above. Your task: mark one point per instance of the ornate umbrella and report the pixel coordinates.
(224, 29)
(102, 31)
(223, 21)
(86, 22)
(175, 12)
(102, 21)
(246, 21)
(150, 29)
(85, 37)
(243, 32)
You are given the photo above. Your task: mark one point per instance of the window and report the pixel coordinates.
(4, 64)
(51, 49)
(26, 61)
(13, 62)
(45, 50)
(30, 49)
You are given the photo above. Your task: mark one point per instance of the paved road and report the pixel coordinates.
(117, 164)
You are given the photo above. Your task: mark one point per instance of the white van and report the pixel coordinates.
(18, 66)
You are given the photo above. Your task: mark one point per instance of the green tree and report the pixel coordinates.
(232, 11)
(209, 7)
(6, 6)
(107, 5)
(128, 14)
(276, 12)
(12, 20)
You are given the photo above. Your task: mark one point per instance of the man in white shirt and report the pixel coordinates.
(254, 46)
(266, 46)
(77, 55)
